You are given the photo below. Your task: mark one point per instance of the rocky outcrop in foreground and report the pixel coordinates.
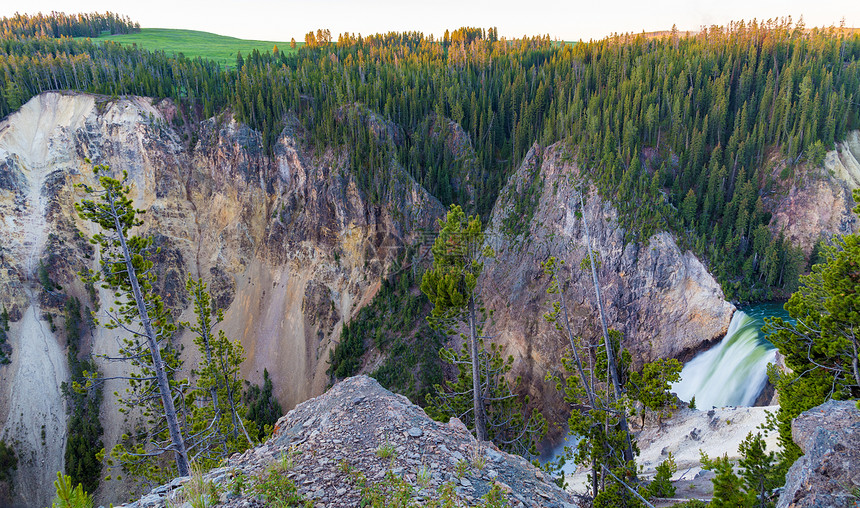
(289, 243)
(358, 427)
(828, 474)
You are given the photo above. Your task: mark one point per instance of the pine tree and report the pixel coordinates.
(596, 416)
(652, 386)
(508, 426)
(661, 485)
(263, 409)
(450, 285)
(127, 270)
(688, 208)
(728, 488)
(758, 469)
(68, 497)
(821, 346)
(218, 408)
(8, 462)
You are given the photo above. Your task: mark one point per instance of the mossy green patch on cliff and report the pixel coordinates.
(84, 428)
(5, 349)
(523, 200)
(394, 325)
(263, 409)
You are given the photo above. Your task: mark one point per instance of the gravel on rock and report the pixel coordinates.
(360, 427)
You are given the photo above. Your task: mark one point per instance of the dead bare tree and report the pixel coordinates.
(594, 413)
(610, 353)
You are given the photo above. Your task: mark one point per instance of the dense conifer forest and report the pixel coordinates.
(689, 134)
(58, 24)
(681, 133)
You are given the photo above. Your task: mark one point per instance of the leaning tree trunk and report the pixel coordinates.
(477, 402)
(231, 399)
(610, 354)
(237, 420)
(178, 443)
(589, 389)
(213, 390)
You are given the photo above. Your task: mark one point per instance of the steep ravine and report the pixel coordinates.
(291, 248)
(288, 244)
(663, 300)
(816, 203)
(36, 422)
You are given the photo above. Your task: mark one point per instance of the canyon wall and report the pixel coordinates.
(661, 298)
(291, 248)
(816, 202)
(289, 245)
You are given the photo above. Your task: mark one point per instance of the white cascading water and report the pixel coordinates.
(732, 373)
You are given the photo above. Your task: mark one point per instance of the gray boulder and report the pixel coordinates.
(828, 474)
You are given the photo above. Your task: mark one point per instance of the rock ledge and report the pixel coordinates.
(828, 474)
(347, 425)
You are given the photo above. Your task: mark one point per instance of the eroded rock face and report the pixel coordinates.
(334, 437)
(819, 206)
(291, 247)
(288, 243)
(828, 474)
(663, 300)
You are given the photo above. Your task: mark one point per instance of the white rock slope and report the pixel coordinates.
(288, 243)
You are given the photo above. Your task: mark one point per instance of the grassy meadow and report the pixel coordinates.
(192, 43)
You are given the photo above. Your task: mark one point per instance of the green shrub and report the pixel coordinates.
(661, 485)
(199, 492)
(495, 498)
(68, 497)
(386, 450)
(263, 409)
(8, 462)
(279, 491)
(5, 349)
(728, 487)
(84, 406)
(392, 492)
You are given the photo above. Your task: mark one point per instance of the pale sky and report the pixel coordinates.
(566, 20)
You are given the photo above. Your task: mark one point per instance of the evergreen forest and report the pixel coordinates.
(681, 133)
(692, 134)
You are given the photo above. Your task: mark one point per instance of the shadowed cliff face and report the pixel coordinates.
(662, 299)
(288, 244)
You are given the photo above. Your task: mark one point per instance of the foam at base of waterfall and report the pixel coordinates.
(732, 373)
(570, 441)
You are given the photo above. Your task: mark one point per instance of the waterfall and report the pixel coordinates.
(732, 373)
